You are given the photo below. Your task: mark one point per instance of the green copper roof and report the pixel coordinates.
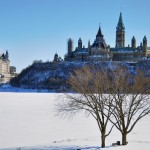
(120, 23)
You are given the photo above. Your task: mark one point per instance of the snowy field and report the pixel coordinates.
(28, 121)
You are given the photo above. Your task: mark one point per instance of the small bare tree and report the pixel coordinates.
(131, 102)
(89, 84)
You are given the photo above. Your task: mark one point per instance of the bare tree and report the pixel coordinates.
(90, 84)
(131, 102)
(109, 96)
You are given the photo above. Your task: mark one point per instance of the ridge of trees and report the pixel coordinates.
(53, 75)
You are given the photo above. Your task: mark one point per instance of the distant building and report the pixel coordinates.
(100, 51)
(5, 70)
(133, 53)
(97, 51)
(57, 58)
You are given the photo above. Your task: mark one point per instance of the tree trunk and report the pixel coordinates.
(103, 139)
(124, 138)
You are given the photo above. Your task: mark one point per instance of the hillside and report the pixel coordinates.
(53, 75)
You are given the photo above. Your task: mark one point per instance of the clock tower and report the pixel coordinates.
(120, 33)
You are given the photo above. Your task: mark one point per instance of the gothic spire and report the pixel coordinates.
(120, 25)
(99, 33)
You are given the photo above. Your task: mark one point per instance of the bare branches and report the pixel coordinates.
(131, 100)
(90, 84)
(116, 97)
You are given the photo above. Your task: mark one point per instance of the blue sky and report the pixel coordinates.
(37, 29)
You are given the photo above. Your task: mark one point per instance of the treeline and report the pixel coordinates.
(54, 75)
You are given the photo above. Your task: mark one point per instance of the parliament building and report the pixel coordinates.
(100, 51)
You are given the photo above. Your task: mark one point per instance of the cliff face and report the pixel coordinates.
(53, 76)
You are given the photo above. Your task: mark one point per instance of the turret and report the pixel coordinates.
(7, 55)
(79, 43)
(120, 33)
(70, 47)
(133, 42)
(141, 45)
(145, 44)
(89, 47)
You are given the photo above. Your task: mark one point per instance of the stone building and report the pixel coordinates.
(6, 72)
(97, 51)
(100, 51)
(122, 53)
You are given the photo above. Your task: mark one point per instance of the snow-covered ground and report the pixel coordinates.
(29, 121)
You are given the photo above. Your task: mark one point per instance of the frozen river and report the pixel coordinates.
(30, 119)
